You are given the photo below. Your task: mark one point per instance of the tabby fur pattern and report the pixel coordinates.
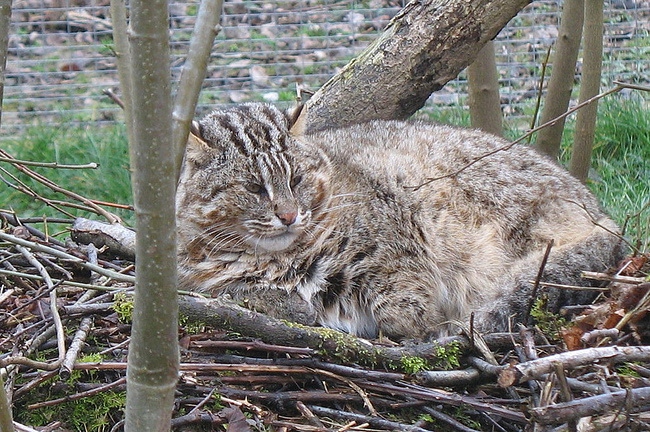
(329, 228)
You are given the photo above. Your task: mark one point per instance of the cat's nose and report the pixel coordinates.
(287, 217)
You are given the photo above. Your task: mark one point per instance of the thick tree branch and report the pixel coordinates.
(222, 313)
(426, 45)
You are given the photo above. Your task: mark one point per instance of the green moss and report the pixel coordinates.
(96, 413)
(91, 414)
(123, 306)
(448, 356)
(412, 365)
(190, 327)
(549, 323)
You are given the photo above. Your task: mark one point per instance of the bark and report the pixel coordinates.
(123, 60)
(117, 239)
(484, 101)
(534, 369)
(153, 361)
(631, 400)
(6, 422)
(583, 140)
(562, 78)
(5, 22)
(224, 314)
(193, 73)
(426, 45)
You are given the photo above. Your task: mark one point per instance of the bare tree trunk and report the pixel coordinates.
(6, 421)
(123, 60)
(591, 70)
(5, 22)
(426, 45)
(560, 85)
(193, 74)
(153, 360)
(484, 100)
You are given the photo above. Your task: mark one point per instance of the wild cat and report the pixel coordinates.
(330, 228)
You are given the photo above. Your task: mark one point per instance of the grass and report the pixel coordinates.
(620, 175)
(622, 164)
(69, 145)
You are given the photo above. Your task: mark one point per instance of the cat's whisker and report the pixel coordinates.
(220, 245)
(352, 194)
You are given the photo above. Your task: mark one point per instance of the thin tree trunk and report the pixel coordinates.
(484, 100)
(426, 45)
(6, 421)
(123, 60)
(193, 74)
(5, 22)
(563, 72)
(583, 140)
(153, 353)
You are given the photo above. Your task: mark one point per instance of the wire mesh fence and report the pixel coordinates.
(61, 56)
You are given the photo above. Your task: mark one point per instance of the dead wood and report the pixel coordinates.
(631, 400)
(536, 368)
(223, 313)
(116, 238)
(361, 419)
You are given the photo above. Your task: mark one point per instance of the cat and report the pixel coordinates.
(383, 228)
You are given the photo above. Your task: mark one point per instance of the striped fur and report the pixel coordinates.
(325, 229)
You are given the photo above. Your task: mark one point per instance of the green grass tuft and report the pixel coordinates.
(621, 165)
(70, 145)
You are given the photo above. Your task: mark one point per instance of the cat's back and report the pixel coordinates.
(441, 161)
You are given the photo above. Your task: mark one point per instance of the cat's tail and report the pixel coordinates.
(600, 250)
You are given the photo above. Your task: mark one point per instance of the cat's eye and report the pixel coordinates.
(295, 180)
(255, 188)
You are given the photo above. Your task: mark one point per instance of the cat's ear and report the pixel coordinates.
(297, 120)
(197, 150)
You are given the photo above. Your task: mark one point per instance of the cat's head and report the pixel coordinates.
(249, 180)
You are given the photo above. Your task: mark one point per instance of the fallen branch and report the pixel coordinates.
(534, 369)
(63, 255)
(118, 239)
(613, 278)
(634, 400)
(445, 397)
(76, 396)
(54, 311)
(359, 418)
(76, 345)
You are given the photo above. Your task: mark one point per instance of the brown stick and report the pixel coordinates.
(536, 368)
(638, 398)
(79, 395)
(56, 188)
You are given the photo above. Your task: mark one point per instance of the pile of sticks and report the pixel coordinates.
(62, 302)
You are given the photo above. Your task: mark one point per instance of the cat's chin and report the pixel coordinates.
(276, 243)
